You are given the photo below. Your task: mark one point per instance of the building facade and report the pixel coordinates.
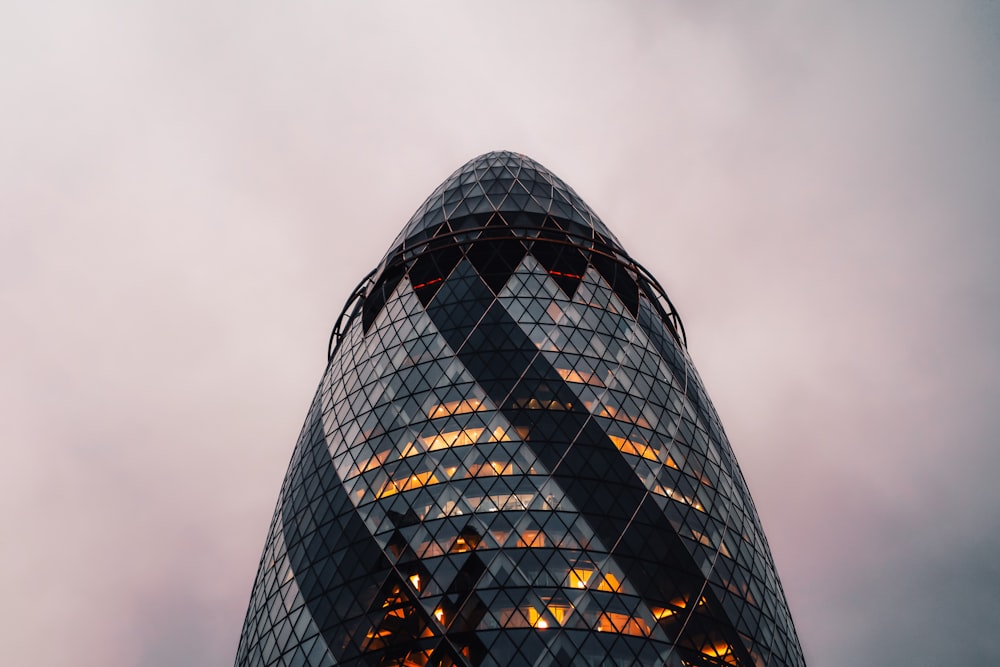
(511, 460)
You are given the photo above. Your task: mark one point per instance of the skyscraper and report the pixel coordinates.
(511, 460)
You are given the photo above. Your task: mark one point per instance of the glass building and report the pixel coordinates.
(511, 460)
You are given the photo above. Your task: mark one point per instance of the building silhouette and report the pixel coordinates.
(511, 460)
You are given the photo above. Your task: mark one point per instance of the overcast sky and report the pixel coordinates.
(190, 190)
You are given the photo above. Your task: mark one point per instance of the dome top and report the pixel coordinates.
(501, 182)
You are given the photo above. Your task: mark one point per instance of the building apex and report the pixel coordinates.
(500, 182)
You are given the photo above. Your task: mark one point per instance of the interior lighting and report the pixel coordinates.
(635, 448)
(580, 377)
(455, 408)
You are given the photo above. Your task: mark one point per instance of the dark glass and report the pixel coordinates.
(511, 460)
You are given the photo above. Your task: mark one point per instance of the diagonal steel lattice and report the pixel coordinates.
(511, 460)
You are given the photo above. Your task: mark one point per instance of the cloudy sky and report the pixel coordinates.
(190, 190)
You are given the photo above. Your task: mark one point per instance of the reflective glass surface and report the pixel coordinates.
(511, 460)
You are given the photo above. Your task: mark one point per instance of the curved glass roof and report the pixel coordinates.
(501, 181)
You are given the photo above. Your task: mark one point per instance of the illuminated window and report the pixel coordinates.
(531, 539)
(610, 583)
(584, 578)
(374, 462)
(446, 440)
(467, 541)
(622, 623)
(721, 651)
(535, 404)
(505, 501)
(580, 377)
(678, 496)
(432, 281)
(491, 469)
(529, 616)
(451, 439)
(674, 608)
(617, 414)
(559, 612)
(414, 481)
(455, 408)
(634, 447)
(701, 537)
(429, 549)
(663, 613)
(417, 658)
(578, 578)
(395, 597)
(499, 435)
(535, 619)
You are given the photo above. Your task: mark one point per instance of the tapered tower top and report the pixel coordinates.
(511, 461)
(504, 203)
(505, 182)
